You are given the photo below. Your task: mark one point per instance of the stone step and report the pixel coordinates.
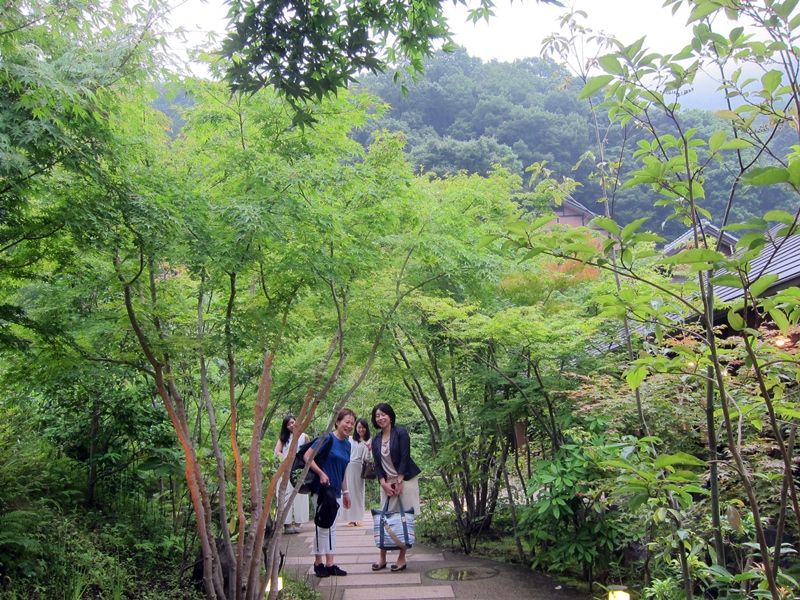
(366, 557)
(351, 541)
(400, 593)
(351, 568)
(383, 578)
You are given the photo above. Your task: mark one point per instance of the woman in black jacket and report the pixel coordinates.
(395, 470)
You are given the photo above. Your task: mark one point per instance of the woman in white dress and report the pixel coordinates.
(298, 512)
(360, 450)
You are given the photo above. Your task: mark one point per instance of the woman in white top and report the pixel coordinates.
(298, 512)
(360, 450)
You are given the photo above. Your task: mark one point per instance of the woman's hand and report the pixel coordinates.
(388, 488)
(324, 479)
(346, 500)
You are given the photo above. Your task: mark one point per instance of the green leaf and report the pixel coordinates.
(694, 255)
(728, 280)
(735, 144)
(735, 320)
(608, 224)
(517, 227)
(637, 500)
(636, 376)
(580, 248)
(681, 458)
(727, 114)
(785, 8)
(760, 285)
(752, 223)
(540, 222)
(771, 80)
(702, 10)
(627, 232)
(780, 319)
(720, 573)
(486, 240)
(715, 141)
(752, 240)
(683, 476)
(781, 216)
(593, 85)
(533, 252)
(794, 174)
(766, 176)
(610, 64)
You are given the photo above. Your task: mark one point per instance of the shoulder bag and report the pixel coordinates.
(393, 531)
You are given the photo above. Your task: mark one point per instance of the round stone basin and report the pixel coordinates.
(461, 573)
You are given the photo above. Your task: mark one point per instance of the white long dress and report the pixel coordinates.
(298, 513)
(355, 514)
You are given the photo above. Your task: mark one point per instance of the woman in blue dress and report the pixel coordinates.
(332, 473)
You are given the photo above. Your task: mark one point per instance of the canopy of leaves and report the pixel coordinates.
(308, 50)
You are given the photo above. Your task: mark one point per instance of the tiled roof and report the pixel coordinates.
(578, 206)
(780, 256)
(707, 228)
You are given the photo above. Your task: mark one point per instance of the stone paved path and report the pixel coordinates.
(356, 552)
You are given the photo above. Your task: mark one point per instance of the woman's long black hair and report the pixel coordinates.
(357, 437)
(285, 433)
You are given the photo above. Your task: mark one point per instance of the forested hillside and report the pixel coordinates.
(465, 114)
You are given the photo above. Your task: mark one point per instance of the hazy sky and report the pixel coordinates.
(517, 29)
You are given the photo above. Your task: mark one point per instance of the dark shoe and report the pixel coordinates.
(321, 570)
(336, 571)
(378, 567)
(398, 568)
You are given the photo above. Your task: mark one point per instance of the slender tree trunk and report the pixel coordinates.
(93, 443)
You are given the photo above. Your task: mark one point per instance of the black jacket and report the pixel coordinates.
(400, 452)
